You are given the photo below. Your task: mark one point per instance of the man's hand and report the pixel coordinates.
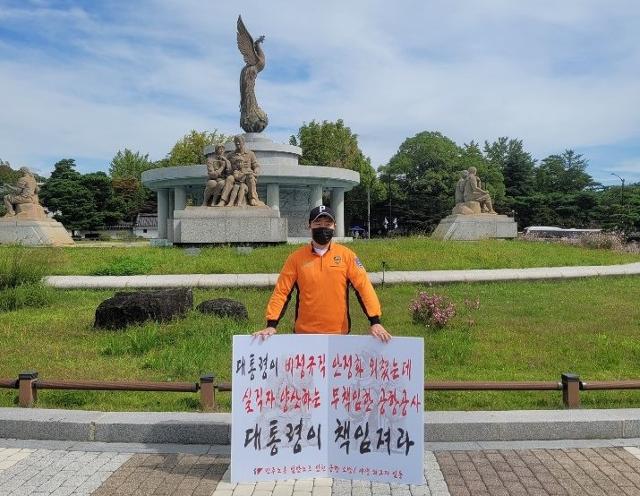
(379, 332)
(265, 333)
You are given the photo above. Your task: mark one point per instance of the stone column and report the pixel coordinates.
(179, 197)
(163, 212)
(273, 195)
(171, 204)
(337, 204)
(316, 195)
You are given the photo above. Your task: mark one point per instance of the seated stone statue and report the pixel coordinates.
(25, 196)
(218, 168)
(459, 193)
(473, 192)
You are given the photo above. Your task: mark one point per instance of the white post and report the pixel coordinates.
(368, 212)
(337, 204)
(316, 195)
(273, 195)
(163, 212)
(179, 198)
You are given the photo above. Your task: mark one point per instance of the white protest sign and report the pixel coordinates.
(308, 406)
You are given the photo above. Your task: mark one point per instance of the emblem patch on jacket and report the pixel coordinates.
(359, 263)
(337, 259)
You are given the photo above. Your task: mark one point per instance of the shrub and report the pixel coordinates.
(21, 273)
(136, 342)
(25, 295)
(432, 310)
(21, 265)
(603, 241)
(124, 266)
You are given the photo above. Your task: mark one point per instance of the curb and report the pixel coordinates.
(215, 428)
(393, 277)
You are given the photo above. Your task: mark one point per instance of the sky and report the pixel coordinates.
(84, 79)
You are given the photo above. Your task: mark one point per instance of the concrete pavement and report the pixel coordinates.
(63, 468)
(472, 430)
(82, 453)
(393, 277)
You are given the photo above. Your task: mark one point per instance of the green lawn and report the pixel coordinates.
(415, 253)
(522, 331)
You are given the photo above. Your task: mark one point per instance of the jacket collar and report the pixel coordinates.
(328, 248)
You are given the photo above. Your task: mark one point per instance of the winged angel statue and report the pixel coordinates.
(252, 118)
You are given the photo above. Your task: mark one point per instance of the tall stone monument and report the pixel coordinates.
(239, 177)
(26, 221)
(473, 217)
(231, 211)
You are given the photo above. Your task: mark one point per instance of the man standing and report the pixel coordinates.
(321, 275)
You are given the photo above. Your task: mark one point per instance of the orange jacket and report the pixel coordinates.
(322, 291)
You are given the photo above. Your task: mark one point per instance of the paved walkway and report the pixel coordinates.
(394, 277)
(60, 468)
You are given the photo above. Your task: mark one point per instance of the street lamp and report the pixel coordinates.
(621, 189)
(389, 188)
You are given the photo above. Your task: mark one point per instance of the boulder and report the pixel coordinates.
(224, 307)
(123, 309)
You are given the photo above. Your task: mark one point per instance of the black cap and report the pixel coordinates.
(321, 211)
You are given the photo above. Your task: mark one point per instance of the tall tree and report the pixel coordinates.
(130, 195)
(516, 164)
(189, 149)
(564, 173)
(65, 169)
(421, 176)
(328, 144)
(332, 144)
(129, 164)
(79, 201)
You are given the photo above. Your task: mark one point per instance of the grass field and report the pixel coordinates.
(416, 253)
(522, 331)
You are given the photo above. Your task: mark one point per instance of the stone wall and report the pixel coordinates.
(295, 204)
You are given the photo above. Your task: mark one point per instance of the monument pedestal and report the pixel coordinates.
(14, 230)
(474, 227)
(208, 225)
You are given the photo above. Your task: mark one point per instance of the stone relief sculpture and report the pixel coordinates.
(470, 197)
(252, 118)
(218, 168)
(240, 184)
(24, 200)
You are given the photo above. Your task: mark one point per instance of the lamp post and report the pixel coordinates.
(389, 184)
(621, 189)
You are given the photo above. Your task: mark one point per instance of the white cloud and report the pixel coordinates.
(557, 75)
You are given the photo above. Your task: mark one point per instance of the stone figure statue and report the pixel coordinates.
(459, 192)
(240, 186)
(474, 192)
(252, 118)
(218, 168)
(25, 194)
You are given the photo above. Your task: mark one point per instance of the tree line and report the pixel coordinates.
(101, 199)
(415, 188)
